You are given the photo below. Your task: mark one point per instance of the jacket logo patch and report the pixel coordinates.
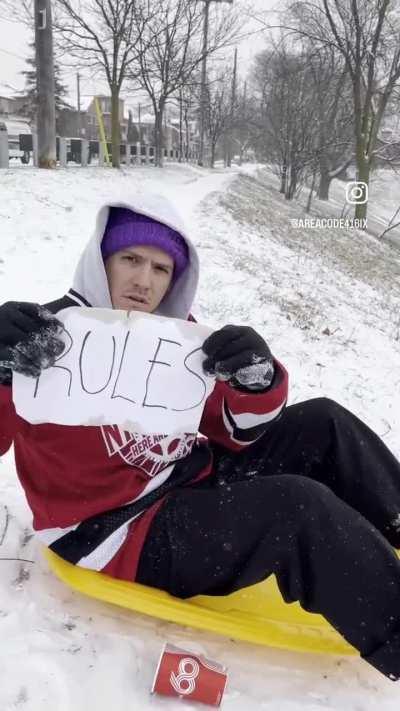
(150, 453)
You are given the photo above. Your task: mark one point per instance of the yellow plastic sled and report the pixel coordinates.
(255, 614)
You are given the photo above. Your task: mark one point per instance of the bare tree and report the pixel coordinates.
(305, 110)
(334, 147)
(391, 224)
(366, 34)
(288, 121)
(245, 121)
(105, 35)
(169, 53)
(171, 50)
(187, 101)
(191, 107)
(217, 110)
(20, 12)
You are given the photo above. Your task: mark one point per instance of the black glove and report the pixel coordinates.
(238, 354)
(29, 339)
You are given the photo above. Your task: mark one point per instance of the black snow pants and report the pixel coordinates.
(316, 501)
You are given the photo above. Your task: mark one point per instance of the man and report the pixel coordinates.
(309, 492)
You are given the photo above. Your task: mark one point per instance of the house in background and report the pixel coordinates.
(190, 135)
(141, 130)
(13, 106)
(137, 128)
(105, 107)
(6, 106)
(72, 124)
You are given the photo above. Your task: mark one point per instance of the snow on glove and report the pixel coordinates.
(238, 354)
(29, 338)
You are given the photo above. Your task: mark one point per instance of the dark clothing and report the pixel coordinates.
(316, 500)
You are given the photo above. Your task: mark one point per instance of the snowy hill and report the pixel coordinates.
(327, 301)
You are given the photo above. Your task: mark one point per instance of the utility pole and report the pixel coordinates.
(242, 119)
(233, 101)
(46, 112)
(203, 89)
(78, 93)
(139, 125)
(180, 125)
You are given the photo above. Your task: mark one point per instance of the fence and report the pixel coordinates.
(82, 152)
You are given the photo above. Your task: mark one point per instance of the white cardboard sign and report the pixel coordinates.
(137, 370)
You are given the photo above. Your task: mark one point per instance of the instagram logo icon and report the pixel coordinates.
(356, 193)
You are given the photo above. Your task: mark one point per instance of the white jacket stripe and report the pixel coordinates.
(246, 420)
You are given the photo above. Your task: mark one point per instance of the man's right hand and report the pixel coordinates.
(29, 338)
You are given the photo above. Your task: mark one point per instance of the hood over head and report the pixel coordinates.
(90, 279)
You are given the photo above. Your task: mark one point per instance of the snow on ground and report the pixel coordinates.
(328, 302)
(383, 202)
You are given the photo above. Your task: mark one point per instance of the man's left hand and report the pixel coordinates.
(241, 356)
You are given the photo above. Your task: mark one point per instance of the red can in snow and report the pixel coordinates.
(189, 676)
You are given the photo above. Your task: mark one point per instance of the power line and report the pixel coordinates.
(12, 54)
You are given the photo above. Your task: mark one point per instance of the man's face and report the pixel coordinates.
(139, 277)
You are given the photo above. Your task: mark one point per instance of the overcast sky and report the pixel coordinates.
(14, 40)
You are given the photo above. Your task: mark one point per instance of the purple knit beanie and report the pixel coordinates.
(126, 228)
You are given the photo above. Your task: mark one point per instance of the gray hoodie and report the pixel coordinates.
(90, 285)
